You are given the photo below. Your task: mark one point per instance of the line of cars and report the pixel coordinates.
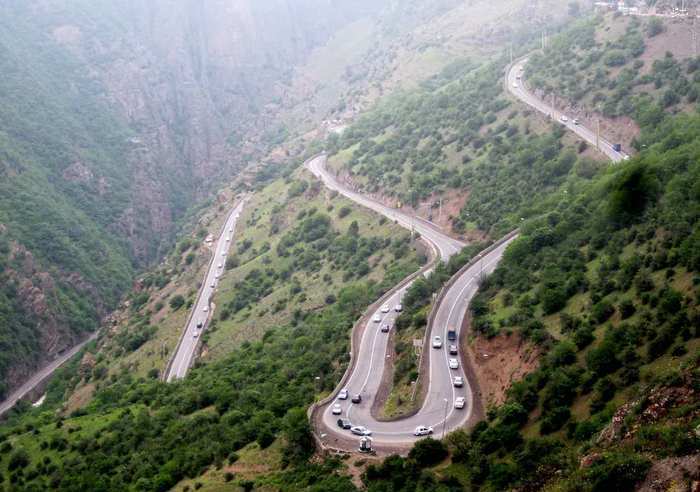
(220, 269)
(452, 362)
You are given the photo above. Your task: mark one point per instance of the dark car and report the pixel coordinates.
(344, 423)
(199, 325)
(356, 399)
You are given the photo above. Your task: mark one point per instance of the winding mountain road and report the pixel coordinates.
(516, 85)
(200, 314)
(438, 410)
(41, 375)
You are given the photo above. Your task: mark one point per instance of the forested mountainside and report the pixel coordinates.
(602, 286)
(118, 118)
(124, 115)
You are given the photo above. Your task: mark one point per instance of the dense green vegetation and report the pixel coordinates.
(51, 118)
(610, 76)
(459, 131)
(146, 435)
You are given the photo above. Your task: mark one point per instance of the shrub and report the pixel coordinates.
(176, 302)
(344, 211)
(428, 452)
(18, 459)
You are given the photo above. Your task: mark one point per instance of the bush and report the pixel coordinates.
(428, 452)
(18, 459)
(176, 302)
(655, 27)
(618, 472)
(344, 211)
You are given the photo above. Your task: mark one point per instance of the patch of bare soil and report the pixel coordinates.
(499, 362)
(673, 474)
(79, 398)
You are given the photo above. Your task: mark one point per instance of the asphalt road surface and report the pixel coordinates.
(438, 410)
(41, 375)
(201, 311)
(517, 86)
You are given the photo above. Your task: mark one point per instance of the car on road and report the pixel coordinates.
(454, 364)
(576, 121)
(458, 382)
(563, 119)
(206, 309)
(356, 399)
(337, 409)
(360, 430)
(451, 334)
(221, 265)
(385, 308)
(453, 349)
(515, 85)
(200, 324)
(344, 424)
(422, 430)
(343, 395)
(386, 327)
(437, 342)
(213, 285)
(398, 308)
(459, 402)
(223, 253)
(377, 318)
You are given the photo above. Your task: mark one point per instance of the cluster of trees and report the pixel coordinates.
(609, 77)
(147, 435)
(620, 245)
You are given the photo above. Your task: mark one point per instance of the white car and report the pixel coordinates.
(576, 121)
(223, 253)
(213, 285)
(360, 430)
(221, 265)
(515, 85)
(453, 349)
(458, 382)
(337, 409)
(398, 308)
(195, 334)
(206, 309)
(377, 318)
(454, 364)
(385, 308)
(422, 430)
(459, 403)
(437, 342)
(343, 395)
(564, 119)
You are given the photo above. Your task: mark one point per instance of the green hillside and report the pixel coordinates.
(51, 118)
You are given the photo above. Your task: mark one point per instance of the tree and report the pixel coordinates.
(428, 452)
(18, 459)
(297, 432)
(655, 27)
(176, 302)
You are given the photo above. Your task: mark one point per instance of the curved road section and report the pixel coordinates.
(40, 376)
(439, 410)
(201, 311)
(515, 84)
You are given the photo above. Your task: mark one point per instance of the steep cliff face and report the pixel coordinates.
(115, 118)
